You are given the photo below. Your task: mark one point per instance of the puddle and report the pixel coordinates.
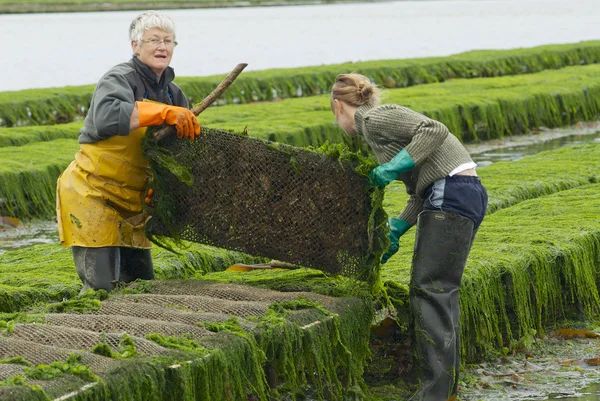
(592, 393)
(515, 148)
(553, 367)
(27, 234)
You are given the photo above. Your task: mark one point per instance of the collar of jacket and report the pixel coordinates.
(166, 78)
(359, 117)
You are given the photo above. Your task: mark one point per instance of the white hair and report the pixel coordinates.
(147, 20)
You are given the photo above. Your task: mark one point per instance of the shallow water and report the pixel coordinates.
(54, 50)
(515, 149)
(554, 369)
(28, 234)
(591, 393)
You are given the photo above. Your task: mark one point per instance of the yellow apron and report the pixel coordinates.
(99, 197)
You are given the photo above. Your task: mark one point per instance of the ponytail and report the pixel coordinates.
(356, 90)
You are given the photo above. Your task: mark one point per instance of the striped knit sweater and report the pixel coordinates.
(435, 151)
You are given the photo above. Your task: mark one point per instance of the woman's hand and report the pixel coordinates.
(385, 173)
(397, 228)
(183, 119)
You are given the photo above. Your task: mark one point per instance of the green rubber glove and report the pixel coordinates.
(397, 228)
(385, 173)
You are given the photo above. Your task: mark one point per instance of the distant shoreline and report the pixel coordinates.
(30, 8)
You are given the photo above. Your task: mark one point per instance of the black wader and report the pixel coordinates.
(442, 245)
(103, 268)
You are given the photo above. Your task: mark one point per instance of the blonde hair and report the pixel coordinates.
(147, 20)
(356, 90)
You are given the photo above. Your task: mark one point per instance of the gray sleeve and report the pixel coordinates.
(112, 105)
(428, 137)
(414, 206)
(391, 128)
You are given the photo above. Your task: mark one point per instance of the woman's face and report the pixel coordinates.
(344, 115)
(155, 50)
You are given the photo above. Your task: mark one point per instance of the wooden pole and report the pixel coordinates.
(208, 100)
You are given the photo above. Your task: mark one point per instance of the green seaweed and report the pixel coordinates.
(525, 277)
(183, 343)
(534, 262)
(18, 389)
(19, 360)
(71, 366)
(127, 348)
(84, 303)
(473, 109)
(55, 105)
(19, 136)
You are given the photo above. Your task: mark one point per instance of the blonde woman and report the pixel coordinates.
(447, 204)
(100, 194)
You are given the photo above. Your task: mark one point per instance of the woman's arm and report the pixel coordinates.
(414, 206)
(392, 128)
(428, 136)
(113, 103)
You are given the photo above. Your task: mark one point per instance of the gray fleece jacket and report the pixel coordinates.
(435, 151)
(115, 96)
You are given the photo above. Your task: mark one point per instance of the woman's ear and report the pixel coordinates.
(339, 105)
(134, 46)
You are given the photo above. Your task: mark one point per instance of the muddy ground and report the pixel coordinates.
(563, 363)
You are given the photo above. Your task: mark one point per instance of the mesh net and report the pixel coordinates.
(164, 313)
(172, 309)
(37, 353)
(8, 370)
(70, 337)
(267, 199)
(233, 292)
(124, 324)
(202, 304)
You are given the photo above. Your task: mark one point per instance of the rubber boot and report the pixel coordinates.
(98, 268)
(136, 263)
(442, 245)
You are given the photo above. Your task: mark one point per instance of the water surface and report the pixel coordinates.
(591, 393)
(50, 50)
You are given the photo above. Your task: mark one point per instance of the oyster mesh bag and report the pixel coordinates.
(174, 311)
(309, 208)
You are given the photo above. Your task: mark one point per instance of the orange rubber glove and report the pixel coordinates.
(183, 119)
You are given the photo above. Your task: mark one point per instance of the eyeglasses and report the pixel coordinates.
(156, 42)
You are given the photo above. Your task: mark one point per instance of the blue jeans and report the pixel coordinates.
(460, 194)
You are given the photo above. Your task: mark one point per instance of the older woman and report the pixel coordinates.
(100, 194)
